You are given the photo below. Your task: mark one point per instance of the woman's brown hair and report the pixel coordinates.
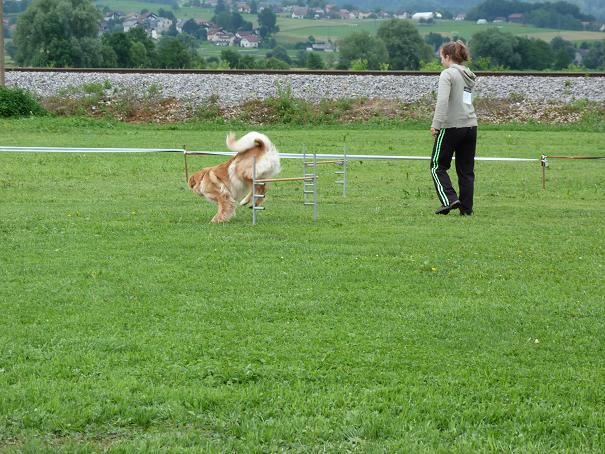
(457, 51)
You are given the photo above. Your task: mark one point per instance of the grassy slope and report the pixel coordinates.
(292, 30)
(130, 323)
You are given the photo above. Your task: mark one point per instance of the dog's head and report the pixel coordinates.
(196, 178)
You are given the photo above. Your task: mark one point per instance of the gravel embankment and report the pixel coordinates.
(231, 89)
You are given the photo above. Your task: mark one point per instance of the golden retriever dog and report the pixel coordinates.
(230, 181)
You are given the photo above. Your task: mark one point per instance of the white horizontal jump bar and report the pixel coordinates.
(228, 153)
(358, 157)
(88, 150)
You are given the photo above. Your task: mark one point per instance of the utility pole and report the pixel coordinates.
(1, 43)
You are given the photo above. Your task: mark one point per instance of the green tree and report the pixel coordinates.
(267, 23)
(281, 54)
(406, 48)
(238, 23)
(194, 29)
(120, 43)
(138, 36)
(564, 52)
(362, 46)
(133, 49)
(274, 63)
(301, 58)
(59, 33)
(220, 7)
(435, 40)
(167, 14)
(138, 56)
(247, 62)
(231, 21)
(222, 20)
(173, 54)
(595, 58)
(534, 53)
(232, 57)
(497, 46)
(314, 61)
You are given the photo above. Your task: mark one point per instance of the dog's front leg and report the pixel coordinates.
(226, 209)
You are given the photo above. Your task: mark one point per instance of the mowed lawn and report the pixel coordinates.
(131, 324)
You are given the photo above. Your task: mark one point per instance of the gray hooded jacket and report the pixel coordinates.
(454, 107)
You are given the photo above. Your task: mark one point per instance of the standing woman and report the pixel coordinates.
(454, 128)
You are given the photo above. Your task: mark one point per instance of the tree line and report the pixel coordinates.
(560, 15)
(64, 33)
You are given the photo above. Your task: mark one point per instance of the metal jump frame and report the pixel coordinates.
(544, 163)
(309, 181)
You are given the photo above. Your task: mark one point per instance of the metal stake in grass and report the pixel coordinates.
(186, 168)
(544, 163)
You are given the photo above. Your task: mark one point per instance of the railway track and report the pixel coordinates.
(300, 72)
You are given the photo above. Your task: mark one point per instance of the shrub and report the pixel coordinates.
(77, 100)
(209, 110)
(15, 102)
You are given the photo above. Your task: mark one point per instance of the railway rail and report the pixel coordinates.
(300, 72)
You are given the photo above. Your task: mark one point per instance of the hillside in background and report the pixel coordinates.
(593, 7)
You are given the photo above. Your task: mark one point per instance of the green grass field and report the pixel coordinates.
(130, 324)
(293, 30)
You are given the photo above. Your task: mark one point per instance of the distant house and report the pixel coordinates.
(222, 38)
(423, 16)
(154, 23)
(247, 40)
(515, 17)
(318, 13)
(300, 12)
(179, 25)
(322, 47)
(244, 8)
(204, 24)
(481, 21)
(130, 21)
(344, 14)
(460, 17)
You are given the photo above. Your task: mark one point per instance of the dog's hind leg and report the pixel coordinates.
(261, 189)
(246, 200)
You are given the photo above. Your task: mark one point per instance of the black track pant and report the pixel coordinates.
(462, 142)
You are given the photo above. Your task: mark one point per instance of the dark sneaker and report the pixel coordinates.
(466, 213)
(446, 209)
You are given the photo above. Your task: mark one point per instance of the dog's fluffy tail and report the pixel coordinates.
(250, 140)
